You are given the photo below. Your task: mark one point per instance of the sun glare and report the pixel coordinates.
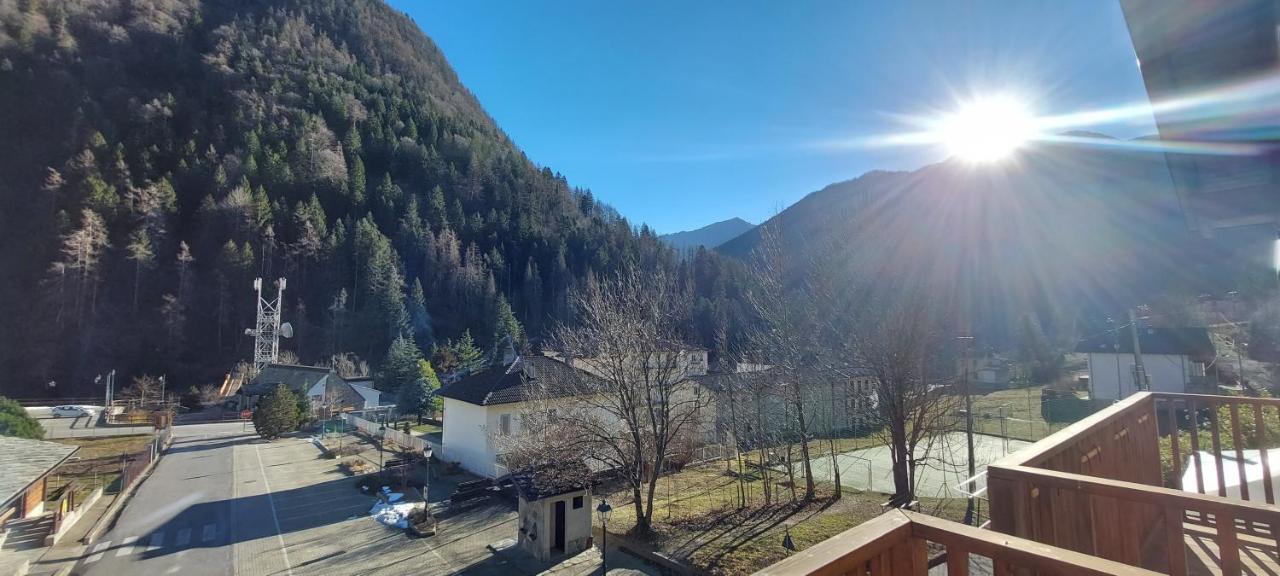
(988, 129)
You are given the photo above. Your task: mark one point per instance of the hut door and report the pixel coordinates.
(558, 542)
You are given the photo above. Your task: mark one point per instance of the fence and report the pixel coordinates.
(387, 433)
(133, 465)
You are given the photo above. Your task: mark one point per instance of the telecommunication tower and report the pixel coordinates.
(266, 345)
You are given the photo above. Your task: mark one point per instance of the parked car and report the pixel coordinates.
(70, 411)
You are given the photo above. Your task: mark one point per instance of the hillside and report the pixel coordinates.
(1067, 234)
(708, 236)
(157, 155)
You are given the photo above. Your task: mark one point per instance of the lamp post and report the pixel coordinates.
(382, 433)
(603, 511)
(426, 487)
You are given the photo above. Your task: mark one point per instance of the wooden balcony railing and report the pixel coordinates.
(901, 543)
(1100, 487)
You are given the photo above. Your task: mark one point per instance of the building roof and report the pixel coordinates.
(552, 480)
(342, 393)
(720, 381)
(524, 378)
(297, 378)
(370, 394)
(1178, 341)
(25, 462)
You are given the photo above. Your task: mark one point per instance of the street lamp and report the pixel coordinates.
(426, 487)
(382, 434)
(603, 511)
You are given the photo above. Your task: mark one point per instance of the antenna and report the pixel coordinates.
(266, 346)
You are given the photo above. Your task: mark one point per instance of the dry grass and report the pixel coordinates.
(696, 518)
(97, 464)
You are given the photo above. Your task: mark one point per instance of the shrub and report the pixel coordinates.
(14, 421)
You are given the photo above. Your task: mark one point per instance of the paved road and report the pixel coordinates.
(180, 519)
(82, 427)
(222, 502)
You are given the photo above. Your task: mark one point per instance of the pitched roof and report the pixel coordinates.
(1179, 341)
(342, 393)
(26, 461)
(297, 378)
(519, 382)
(370, 394)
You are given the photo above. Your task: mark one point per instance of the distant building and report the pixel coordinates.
(487, 404)
(834, 407)
(1174, 360)
(327, 391)
(987, 373)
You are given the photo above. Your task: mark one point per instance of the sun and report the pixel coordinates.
(987, 129)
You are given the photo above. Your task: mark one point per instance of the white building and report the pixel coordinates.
(485, 406)
(1174, 360)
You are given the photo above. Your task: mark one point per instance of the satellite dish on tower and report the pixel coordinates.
(286, 330)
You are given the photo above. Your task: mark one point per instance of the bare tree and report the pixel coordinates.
(632, 403)
(144, 386)
(787, 332)
(900, 342)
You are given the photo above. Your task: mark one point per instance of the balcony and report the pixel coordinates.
(1097, 498)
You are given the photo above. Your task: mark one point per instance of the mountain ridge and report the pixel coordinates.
(709, 236)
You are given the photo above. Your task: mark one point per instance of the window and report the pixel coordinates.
(504, 425)
(577, 502)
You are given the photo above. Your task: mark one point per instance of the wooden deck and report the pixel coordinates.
(1098, 486)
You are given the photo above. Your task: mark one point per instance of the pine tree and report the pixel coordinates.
(143, 257)
(467, 354)
(356, 182)
(505, 324)
(400, 366)
(277, 413)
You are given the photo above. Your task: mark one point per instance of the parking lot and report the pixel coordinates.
(317, 521)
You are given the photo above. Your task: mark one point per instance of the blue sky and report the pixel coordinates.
(683, 114)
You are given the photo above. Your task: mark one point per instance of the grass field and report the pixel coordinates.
(696, 517)
(1021, 410)
(97, 462)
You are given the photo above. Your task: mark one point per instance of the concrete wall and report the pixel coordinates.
(465, 439)
(1111, 375)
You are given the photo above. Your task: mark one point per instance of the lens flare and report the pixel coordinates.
(987, 129)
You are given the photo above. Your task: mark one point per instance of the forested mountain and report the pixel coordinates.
(1058, 238)
(157, 155)
(708, 236)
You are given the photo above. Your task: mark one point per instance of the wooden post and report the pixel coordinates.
(1174, 441)
(957, 560)
(1195, 446)
(1217, 451)
(1176, 541)
(1228, 544)
(1235, 439)
(1260, 438)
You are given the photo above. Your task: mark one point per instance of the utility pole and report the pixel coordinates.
(1139, 371)
(968, 427)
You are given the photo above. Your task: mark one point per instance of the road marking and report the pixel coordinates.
(184, 536)
(97, 552)
(157, 540)
(208, 533)
(271, 500)
(126, 546)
